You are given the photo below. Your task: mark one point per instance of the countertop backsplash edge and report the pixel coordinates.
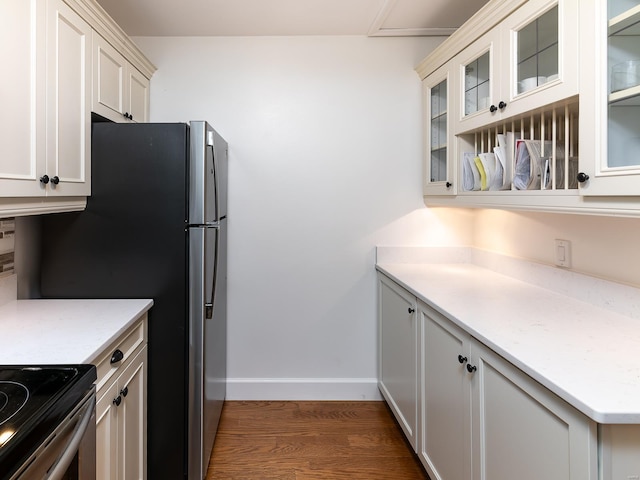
(606, 294)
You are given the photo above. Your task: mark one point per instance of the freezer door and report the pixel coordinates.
(207, 342)
(208, 175)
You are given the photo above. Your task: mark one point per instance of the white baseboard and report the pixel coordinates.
(303, 389)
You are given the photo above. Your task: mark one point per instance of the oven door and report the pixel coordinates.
(69, 453)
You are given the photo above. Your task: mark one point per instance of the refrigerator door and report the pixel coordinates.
(207, 341)
(208, 175)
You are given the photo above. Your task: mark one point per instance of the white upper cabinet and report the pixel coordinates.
(22, 149)
(438, 105)
(46, 96)
(611, 157)
(542, 109)
(68, 99)
(48, 90)
(120, 91)
(525, 62)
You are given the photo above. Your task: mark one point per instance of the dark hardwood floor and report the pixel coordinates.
(311, 440)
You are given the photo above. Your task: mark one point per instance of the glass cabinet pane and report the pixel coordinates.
(618, 7)
(624, 85)
(537, 51)
(438, 122)
(476, 84)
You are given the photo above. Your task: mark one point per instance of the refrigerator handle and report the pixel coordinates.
(216, 190)
(208, 306)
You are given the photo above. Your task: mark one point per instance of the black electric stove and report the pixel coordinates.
(33, 401)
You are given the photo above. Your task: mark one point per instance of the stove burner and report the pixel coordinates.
(13, 396)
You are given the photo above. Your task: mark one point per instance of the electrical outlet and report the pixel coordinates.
(563, 253)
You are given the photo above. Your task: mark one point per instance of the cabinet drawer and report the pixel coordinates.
(121, 351)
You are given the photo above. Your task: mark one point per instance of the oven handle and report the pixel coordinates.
(64, 460)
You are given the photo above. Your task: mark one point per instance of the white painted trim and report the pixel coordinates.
(377, 30)
(19, 207)
(383, 13)
(101, 22)
(413, 32)
(346, 389)
(480, 23)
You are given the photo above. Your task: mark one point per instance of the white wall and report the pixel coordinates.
(605, 247)
(325, 163)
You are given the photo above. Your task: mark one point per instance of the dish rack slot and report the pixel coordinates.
(534, 152)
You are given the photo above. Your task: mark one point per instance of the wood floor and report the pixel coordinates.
(311, 440)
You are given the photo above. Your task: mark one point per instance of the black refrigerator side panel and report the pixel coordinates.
(130, 242)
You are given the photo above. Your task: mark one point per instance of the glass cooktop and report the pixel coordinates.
(33, 400)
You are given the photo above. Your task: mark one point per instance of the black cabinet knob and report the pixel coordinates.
(471, 368)
(462, 359)
(449, 184)
(493, 109)
(411, 310)
(582, 177)
(124, 392)
(44, 179)
(117, 356)
(501, 105)
(55, 180)
(126, 115)
(117, 401)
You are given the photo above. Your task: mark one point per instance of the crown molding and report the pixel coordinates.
(481, 22)
(102, 23)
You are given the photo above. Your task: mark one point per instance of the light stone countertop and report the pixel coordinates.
(586, 354)
(41, 332)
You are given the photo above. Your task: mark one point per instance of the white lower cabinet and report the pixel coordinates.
(398, 355)
(121, 411)
(479, 417)
(483, 419)
(522, 430)
(445, 437)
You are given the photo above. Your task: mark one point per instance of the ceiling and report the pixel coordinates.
(290, 17)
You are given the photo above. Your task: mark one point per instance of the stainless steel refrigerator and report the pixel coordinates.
(155, 227)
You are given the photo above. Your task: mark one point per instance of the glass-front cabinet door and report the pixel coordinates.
(613, 169)
(540, 56)
(438, 172)
(478, 83)
(537, 52)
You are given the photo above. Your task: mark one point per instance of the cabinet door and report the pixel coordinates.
(445, 444)
(138, 96)
(539, 60)
(521, 430)
(109, 80)
(107, 434)
(68, 101)
(479, 76)
(132, 420)
(438, 168)
(610, 140)
(397, 370)
(21, 151)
